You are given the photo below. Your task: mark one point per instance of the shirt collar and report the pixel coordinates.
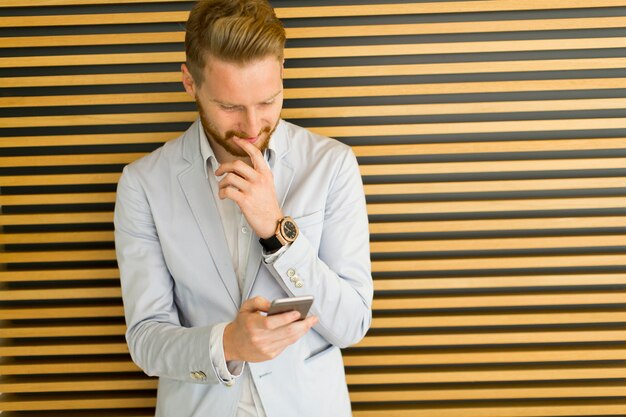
(208, 156)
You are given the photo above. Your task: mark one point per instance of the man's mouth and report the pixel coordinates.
(251, 140)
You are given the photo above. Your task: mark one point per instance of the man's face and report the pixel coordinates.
(241, 101)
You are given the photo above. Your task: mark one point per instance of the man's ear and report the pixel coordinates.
(190, 86)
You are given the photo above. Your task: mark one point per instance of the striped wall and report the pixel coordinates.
(492, 142)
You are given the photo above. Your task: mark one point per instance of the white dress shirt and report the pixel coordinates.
(239, 236)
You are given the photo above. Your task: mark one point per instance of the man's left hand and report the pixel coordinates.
(252, 188)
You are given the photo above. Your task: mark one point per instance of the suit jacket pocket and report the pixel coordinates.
(320, 353)
(309, 219)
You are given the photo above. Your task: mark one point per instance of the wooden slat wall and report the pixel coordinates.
(492, 142)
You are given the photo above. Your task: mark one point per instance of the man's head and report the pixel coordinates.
(235, 31)
(234, 70)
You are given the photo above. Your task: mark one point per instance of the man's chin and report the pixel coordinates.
(260, 143)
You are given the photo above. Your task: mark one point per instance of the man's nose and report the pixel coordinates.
(252, 124)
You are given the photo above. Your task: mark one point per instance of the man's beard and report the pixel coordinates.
(226, 142)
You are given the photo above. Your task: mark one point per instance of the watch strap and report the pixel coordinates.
(271, 244)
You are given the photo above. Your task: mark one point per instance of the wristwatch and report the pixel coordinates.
(286, 232)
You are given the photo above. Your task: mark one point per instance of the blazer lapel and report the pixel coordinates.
(198, 194)
(283, 176)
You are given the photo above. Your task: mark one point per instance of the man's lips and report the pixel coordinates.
(251, 140)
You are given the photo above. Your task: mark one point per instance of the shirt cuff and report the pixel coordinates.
(226, 371)
(270, 258)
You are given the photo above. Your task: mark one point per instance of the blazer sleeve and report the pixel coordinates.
(338, 273)
(157, 341)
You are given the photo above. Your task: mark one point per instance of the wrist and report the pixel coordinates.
(230, 349)
(271, 228)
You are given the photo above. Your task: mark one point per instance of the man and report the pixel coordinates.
(242, 209)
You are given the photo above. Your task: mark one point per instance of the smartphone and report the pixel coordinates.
(300, 304)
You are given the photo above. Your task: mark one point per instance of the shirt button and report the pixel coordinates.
(229, 383)
(291, 272)
(244, 230)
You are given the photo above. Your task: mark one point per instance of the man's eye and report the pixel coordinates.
(228, 108)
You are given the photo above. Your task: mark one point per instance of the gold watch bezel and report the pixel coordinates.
(280, 233)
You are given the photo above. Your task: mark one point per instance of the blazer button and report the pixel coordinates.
(294, 278)
(299, 284)
(291, 272)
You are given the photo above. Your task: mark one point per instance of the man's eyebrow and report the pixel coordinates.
(223, 103)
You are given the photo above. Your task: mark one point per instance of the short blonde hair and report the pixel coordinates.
(237, 31)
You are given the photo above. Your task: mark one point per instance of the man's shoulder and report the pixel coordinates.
(168, 154)
(311, 143)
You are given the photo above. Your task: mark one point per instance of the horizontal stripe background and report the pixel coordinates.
(490, 136)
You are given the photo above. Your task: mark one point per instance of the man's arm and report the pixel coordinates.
(339, 273)
(157, 342)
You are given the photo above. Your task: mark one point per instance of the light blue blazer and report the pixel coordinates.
(178, 280)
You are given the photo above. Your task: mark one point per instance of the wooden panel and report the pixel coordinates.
(56, 218)
(324, 52)
(78, 404)
(494, 206)
(333, 32)
(474, 375)
(505, 409)
(348, 72)
(457, 68)
(398, 90)
(308, 12)
(472, 127)
(491, 392)
(480, 355)
(508, 281)
(33, 3)
(59, 275)
(21, 313)
(367, 170)
(97, 139)
(490, 263)
(19, 366)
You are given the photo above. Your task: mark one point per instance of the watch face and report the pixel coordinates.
(290, 230)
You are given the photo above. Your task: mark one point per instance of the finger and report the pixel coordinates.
(255, 304)
(231, 193)
(236, 167)
(281, 320)
(292, 332)
(295, 330)
(311, 321)
(234, 180)
(258, 162)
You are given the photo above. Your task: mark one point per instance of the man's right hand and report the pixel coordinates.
(253, 337)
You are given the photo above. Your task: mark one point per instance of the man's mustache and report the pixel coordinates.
(232, 133)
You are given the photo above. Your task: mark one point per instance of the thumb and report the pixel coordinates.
(258, 303)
